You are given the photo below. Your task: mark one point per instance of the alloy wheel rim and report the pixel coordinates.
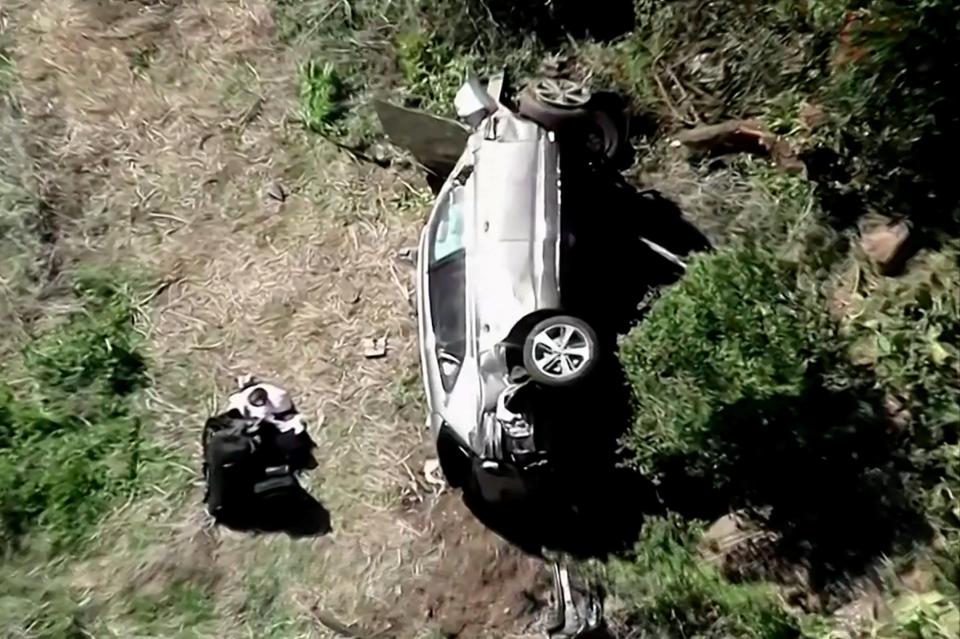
(561, 351)
(562, 93)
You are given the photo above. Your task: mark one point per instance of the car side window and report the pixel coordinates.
(447, 231)
(447, 277)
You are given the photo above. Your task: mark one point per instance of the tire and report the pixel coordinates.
(604, 136)
(600, 129)
(560, 351)
(550, 116)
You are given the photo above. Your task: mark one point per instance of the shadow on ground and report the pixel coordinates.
(821, 471)
(555, 22)
(293, 511)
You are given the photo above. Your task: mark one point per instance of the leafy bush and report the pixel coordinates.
(744, 398)
(97, 348)
(691, 60)
(69, 444)
(894, 103)
(666, 591)
(432, 70)
(736, 330)
(907, 330)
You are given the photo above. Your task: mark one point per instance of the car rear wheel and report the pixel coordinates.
(560, 351)
(558, 104)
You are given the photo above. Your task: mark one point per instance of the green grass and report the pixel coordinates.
(266, 609)
(73, 447)
(665, 590)
(432, 70)
(39, 606)
(321, 95)
(70, 444)
(180, 606)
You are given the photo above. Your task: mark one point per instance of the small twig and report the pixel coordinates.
(404, 291)
(686, 98)
(250, 114)
(316, 25)
(168, 216)
(336, 626)
(161, 288)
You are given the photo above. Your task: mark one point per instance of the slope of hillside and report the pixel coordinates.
(192, 190)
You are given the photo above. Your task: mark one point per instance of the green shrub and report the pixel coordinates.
(735, 331)
(907, 330)
(96, 349)
(665, 590)
(694, 61)
(432, 69)
(895, 106)
(69, 443)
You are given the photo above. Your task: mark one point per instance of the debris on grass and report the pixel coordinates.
(885, 242)
(374, 347)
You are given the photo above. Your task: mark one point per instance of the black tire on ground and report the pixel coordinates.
(606, 134)
(599, 127)
(560, 351)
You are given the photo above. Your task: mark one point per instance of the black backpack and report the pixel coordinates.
(229, 462)
(247, 462)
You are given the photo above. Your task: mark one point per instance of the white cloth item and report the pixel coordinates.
(268, 401)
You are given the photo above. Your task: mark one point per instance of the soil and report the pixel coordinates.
(482, 585)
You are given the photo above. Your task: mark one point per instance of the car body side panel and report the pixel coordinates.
(511, 231)
(516, 228)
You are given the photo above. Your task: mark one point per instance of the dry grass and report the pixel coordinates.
(156, 133)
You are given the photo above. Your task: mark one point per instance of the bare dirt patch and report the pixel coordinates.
(480, 586)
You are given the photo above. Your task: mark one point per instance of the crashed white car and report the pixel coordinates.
(491, 269)
(492, 284)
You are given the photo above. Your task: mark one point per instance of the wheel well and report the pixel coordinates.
(518, 335)
(521, 329)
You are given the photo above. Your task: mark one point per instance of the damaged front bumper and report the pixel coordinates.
(510, 462)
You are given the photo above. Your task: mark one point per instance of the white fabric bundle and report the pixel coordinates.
(261, 400)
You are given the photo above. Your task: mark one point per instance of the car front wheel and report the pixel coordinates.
(560, 351)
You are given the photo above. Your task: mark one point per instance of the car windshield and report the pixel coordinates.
(447, 276)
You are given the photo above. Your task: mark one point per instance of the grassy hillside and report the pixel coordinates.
(186, 193)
